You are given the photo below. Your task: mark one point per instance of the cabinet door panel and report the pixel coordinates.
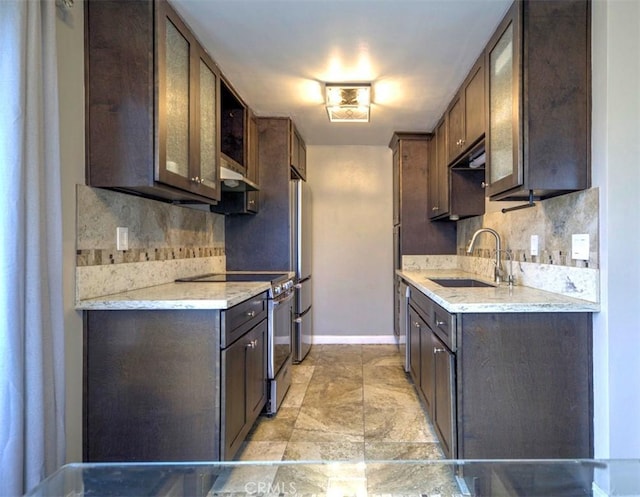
(455, 127)
(176, 100)
(443, 169)
(256, 371)
(427, 369)
(234, 394)
(444, 409)
(474, 106)
(503, 80)
(207, 124)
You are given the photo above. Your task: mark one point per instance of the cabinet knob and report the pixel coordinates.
(195, 180)
(251, 314)
(435, 208)
(252, 344)
(251, 202)
(437, 350)
(416, 324)
(484, 184)
(440, 323)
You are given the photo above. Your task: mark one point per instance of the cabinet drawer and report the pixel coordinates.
(444, 326)
(423, 304)
(240, 318)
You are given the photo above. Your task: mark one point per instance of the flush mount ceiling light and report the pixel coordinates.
(348, 103)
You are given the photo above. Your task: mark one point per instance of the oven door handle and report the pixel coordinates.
(285, 297)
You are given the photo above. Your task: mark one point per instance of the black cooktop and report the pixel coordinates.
(230, 277)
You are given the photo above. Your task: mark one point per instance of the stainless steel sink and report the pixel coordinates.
(460, 282)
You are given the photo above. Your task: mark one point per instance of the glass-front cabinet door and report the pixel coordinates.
(504, 157)
(206, 172)
(174, 100)
(187, 110)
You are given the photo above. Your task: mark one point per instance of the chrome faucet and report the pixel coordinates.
(498, 262)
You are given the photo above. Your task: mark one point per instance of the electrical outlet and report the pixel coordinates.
(122, 238)
(534, 245)
(580, 247)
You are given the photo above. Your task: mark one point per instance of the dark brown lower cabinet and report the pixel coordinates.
(172, 385)
(244, 387)
(444, 408)
(504, 385)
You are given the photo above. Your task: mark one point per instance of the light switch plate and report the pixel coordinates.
(122, 238)
(580, 247)
(534, 245)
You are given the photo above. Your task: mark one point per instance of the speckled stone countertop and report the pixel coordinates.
(177, 296)
(491, 299)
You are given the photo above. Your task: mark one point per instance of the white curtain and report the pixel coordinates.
(31, 312)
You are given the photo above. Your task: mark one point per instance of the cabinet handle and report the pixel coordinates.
(435, 208)
(251, 202)
(440, 323)
(251, 314)
(437, 350)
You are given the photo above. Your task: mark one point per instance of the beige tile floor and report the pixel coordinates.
(347, 403)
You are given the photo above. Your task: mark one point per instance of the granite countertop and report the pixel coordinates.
(491, 299)
(178, 296)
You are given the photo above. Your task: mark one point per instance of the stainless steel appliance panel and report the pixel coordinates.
(303, 337)
(280, 327)
(301, 255)
(304, 295)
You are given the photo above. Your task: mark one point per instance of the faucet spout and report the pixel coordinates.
(498, 261)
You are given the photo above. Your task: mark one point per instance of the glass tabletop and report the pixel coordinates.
(425, 478)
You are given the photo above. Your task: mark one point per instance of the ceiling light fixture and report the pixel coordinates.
(348, 103)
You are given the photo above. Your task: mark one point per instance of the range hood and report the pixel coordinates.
(232, 181)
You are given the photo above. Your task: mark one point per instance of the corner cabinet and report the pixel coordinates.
(152, 100)
(538, 101)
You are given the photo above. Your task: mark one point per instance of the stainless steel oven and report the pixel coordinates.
(280, 335)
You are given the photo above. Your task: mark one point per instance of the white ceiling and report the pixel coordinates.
(278, 54)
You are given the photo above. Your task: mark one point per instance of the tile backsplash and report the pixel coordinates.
(165, 242)
(157, 230)
(553, 221)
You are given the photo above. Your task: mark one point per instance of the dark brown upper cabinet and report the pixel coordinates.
(466, 116)
(538, 101)
(233, 129)
(151, 103)
(438, 191)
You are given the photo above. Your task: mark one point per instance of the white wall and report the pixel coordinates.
(70, 39)
(616, 170)
(352, 242)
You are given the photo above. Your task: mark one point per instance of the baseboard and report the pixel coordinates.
(356, 339)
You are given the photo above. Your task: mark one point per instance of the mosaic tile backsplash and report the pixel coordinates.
(553, 221)
(157, 231)
(165, 242)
